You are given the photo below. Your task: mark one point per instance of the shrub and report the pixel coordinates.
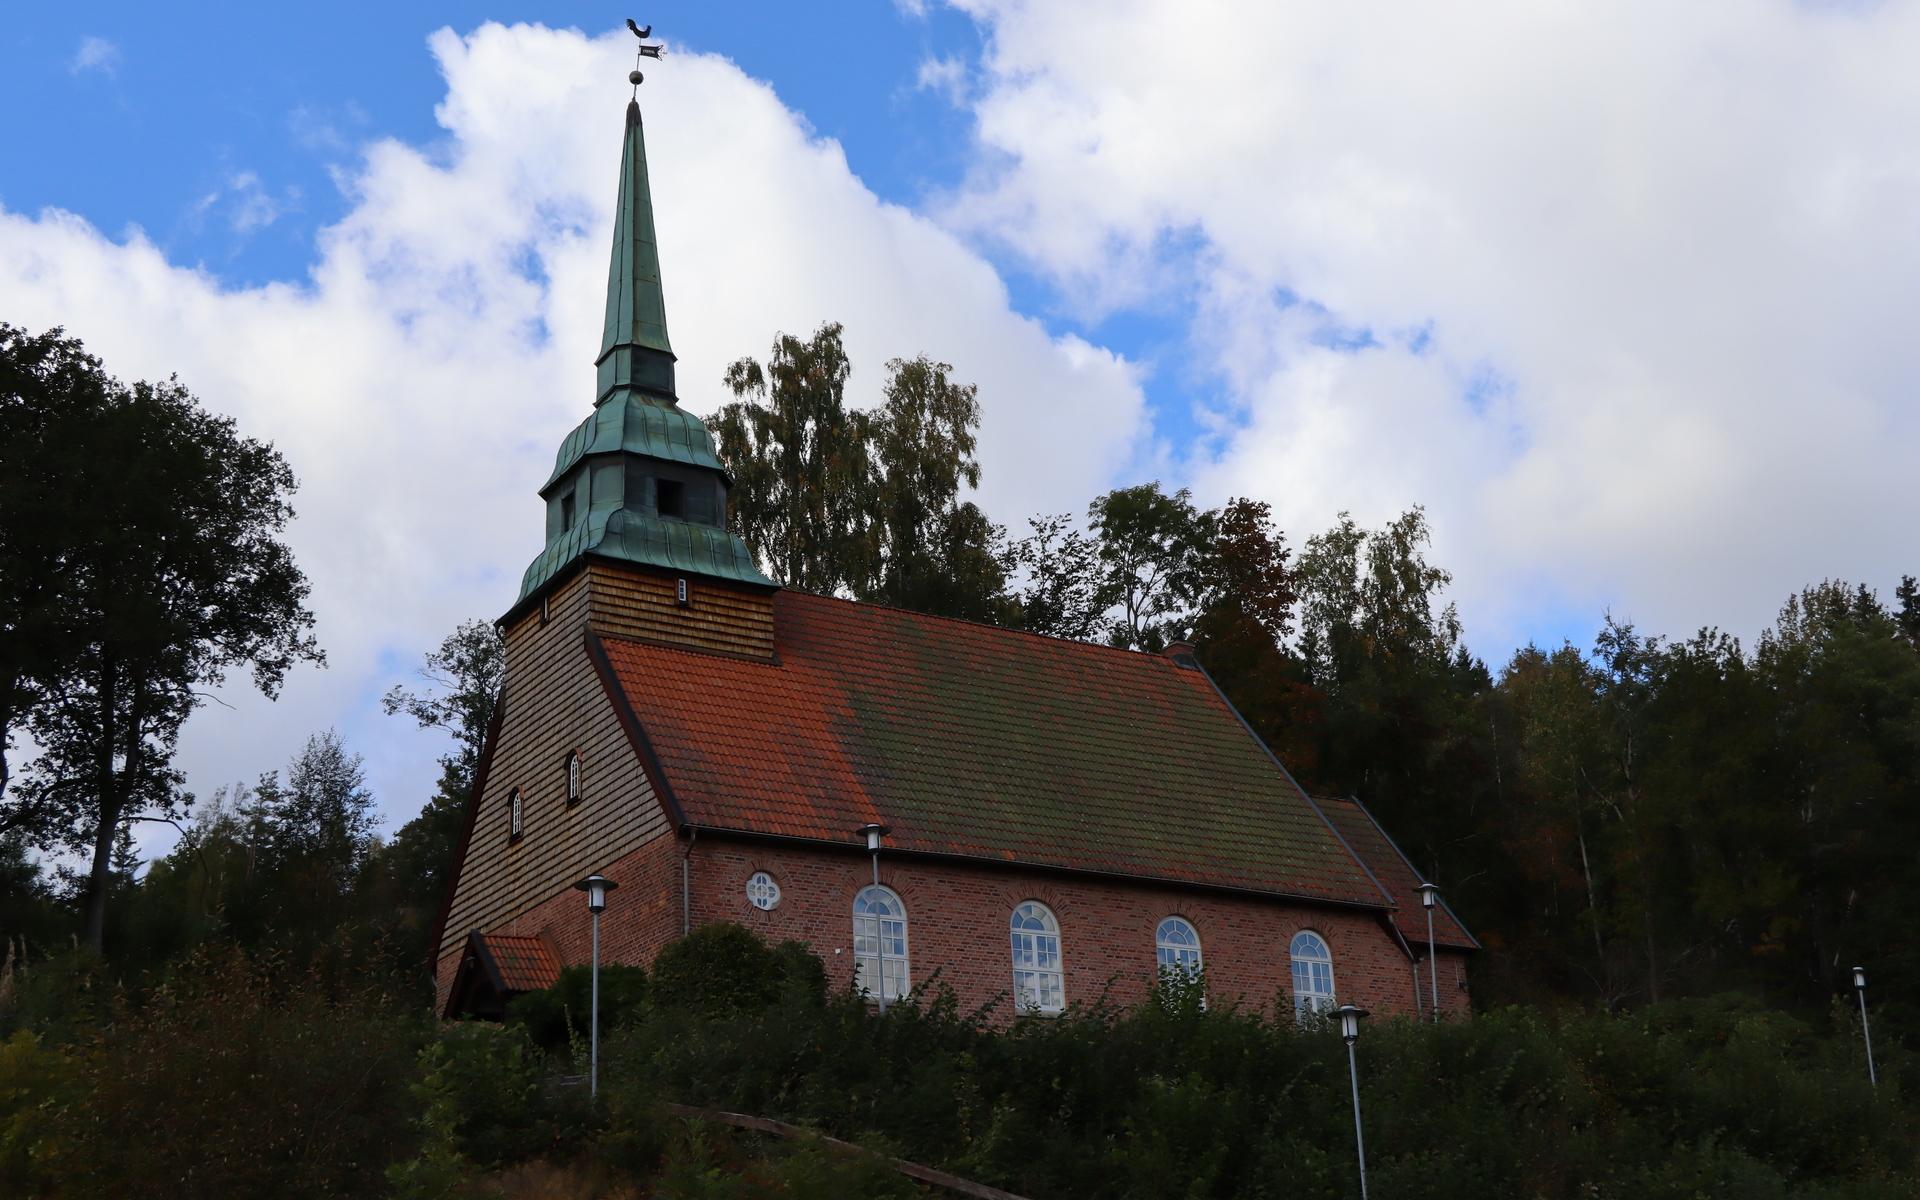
(233, 1078)
(38, 1083)
(558, 1016)
(724, 969)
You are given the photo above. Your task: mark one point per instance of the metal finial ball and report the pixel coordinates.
(634, 77)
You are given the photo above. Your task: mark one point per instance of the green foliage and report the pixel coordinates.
(708, 1162)
(557, 1017)
(407, 876)
(61, 998)
(141, 555)
(799, 460)
(723, 968)
(38, 1084)
(236, 1077)
(832, 499)
(1176, 1099)
(485, 1101)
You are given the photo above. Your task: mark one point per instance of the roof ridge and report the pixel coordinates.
(1142, 655)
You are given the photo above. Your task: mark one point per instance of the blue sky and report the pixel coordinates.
(185, 98)
(1608, 292)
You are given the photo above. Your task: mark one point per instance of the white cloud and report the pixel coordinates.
(421, 379)
(1681, 241)
(244, 203)
(95, 54)
(946, 77)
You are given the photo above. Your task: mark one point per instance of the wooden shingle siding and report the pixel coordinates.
(552, 702)
(725, 618)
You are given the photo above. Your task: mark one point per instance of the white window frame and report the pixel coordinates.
(1172, 954)
(1039, 970)
(880, 944)
(574, 772)
(1312, 973)
(516, 815)
(763, 891)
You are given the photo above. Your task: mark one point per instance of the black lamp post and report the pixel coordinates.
(596, 886)
(872, 831)
(1860, 987)
(1350, 1015)
(1430, 896)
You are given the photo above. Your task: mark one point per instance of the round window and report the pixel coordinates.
(762, 892)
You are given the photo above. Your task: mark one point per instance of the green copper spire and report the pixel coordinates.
(634, 352)
(638, 481)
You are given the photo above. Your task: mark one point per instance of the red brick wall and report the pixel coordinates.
(643, 914)
(957, 922)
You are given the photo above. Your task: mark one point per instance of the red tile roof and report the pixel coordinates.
(1396, 874)
(519, 964)
(970, 740)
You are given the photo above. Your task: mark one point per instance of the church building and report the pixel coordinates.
(1028, 819)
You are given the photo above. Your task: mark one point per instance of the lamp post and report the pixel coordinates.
(1350, 1033)
(596, 886)
(1430, 896)
(871, 831)
(1860, 987)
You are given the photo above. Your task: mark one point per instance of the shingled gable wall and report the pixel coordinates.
(552, 702)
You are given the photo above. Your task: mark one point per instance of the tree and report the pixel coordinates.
(799, 458)
(321, 822)
(839, 500)
(934, 553)
(463, 675)
(1149, 546)
(43, 379)
(1908, 615)
(1060, 593)
(164, 551)
(1245, 598)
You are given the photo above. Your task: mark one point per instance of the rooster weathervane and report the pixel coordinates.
(653, 51)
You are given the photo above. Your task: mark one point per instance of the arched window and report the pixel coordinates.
(1177, 944)
(573, 777)
(516, 822)
(1037, 981)
(880, 943)
(1312, 974)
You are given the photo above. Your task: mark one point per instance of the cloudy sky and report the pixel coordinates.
(1624, 294)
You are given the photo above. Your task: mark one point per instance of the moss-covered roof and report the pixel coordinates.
(969, 740)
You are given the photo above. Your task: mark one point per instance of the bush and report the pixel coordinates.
(232, 1078)
(556, 1017)
(59, 997)
(38, 1084)
(484, 1100)
(1712, 1097)
(725, 969)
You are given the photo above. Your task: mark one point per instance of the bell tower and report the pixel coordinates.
(638, 483)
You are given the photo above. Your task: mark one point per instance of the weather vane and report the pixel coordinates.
(643, 32)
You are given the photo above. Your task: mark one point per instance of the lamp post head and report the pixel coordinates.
(596, 886)
(1860, 978)
(1350, 1015)
(1429, 894)
(871, 831)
